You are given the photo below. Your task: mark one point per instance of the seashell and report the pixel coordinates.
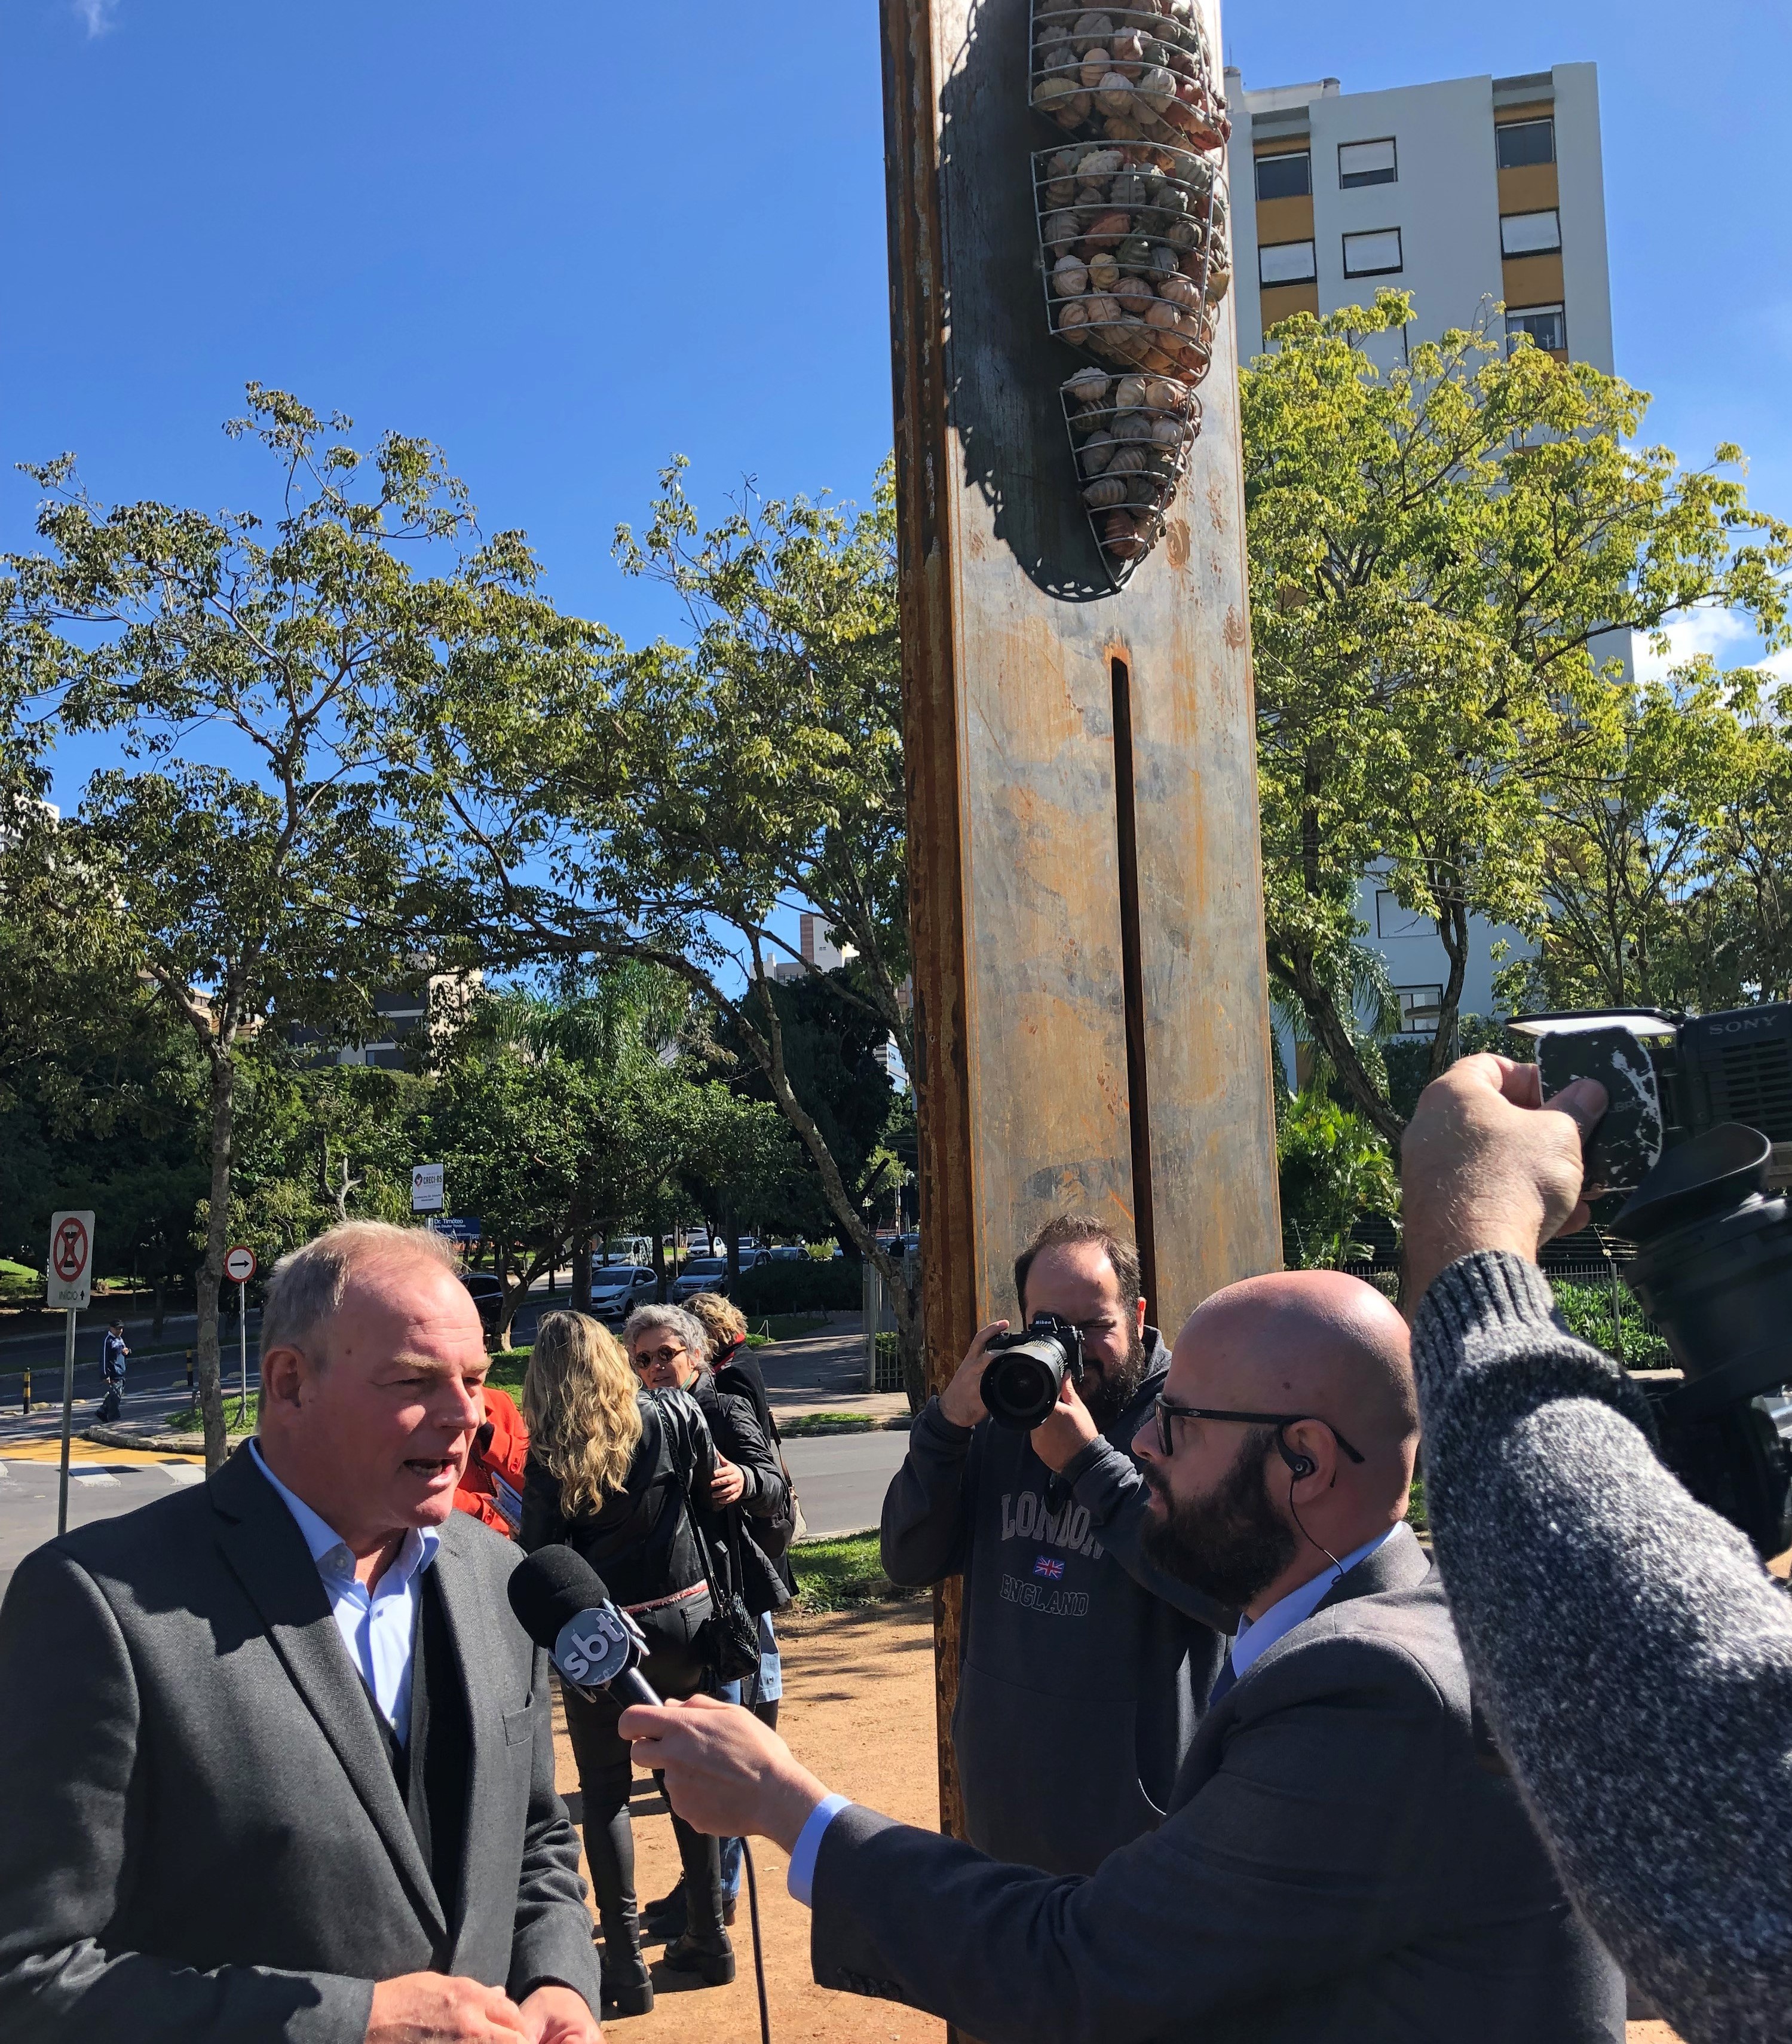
(1129, 188)
(1063, 227)
(1117, 130)
(1059, 192)
(1098, 450)
(1130, 392)
(1113, 94)
(1072, 112)
(1168, 433)
(1183, 234)
(1062, 162)
(1128, 48)
(1073, 318)
(1134, 252)
(1104, 489)
(1087, 387)
(1070, 277)
(1105, 271)
(1171, 198)
(1219, 276)
(1128, 460)
(1103, 311)
(1135, 295)
(1164, 395)
(1099, 163)
(1053, 91)
(1091, 28)
(1157, 87)
(1160, 262)
(1095, 66)
(1106, 230)
(1120, 536)
(1180, 290)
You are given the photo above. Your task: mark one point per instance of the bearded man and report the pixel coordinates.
(1071, 1630)
(1343, 1858)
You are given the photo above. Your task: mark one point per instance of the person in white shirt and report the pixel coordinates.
(1339, 1860)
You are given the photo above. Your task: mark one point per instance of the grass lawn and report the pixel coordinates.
(192, 1421)
(827, 1423)
(833, 1575)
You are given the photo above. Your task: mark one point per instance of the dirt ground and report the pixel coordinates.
(858, 1706)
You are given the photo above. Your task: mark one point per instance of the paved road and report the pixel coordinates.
(841, 1478)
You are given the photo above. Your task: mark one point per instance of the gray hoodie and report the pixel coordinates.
(1632, 1655)
(1084, 1667)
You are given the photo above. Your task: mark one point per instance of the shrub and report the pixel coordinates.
(1587, 1310)
(800, 1284)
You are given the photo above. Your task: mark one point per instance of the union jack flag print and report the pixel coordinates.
(1050, 1569)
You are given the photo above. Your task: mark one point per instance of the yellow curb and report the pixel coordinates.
(87, 1451)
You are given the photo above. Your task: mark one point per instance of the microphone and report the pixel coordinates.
(559, 1599)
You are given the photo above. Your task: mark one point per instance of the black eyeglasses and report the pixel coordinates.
(1167, 1409)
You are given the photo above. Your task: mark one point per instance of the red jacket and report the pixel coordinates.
(491, 1487)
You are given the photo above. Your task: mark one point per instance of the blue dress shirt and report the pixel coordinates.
(378, 1627)
(1255, 1637)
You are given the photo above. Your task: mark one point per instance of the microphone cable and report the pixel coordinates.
(758, 1951)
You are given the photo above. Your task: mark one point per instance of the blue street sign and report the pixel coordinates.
(460, 1227)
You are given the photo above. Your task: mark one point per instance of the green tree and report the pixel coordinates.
(678, 803)
(1334, 1169)
(252, 670)
(1434, 553)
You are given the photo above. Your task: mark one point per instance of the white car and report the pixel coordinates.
(618, 1289)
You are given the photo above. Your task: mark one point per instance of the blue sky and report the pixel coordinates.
(565, 240)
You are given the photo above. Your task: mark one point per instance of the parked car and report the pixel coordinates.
(629, 1249)
(702, 1274)
(487, 1293)
(618, 1289)
(787, 1252)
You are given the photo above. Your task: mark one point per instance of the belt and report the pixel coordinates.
(677, 1596)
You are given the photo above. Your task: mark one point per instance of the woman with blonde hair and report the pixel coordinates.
(612, 1469)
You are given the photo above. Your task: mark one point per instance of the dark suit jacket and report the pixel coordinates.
(1338, 1862)
(202, 1840)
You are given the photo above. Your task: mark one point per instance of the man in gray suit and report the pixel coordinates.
(282, 1762)
(1342, 1859)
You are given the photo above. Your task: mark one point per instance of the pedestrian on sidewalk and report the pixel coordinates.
(112, 1353)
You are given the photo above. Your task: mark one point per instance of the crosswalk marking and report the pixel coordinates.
(94, 1476)
(184, 1473)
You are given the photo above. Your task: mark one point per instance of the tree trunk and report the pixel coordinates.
(580, 1229)
(1294, 964)
(663, 1286)
(1452, 933)
(210, 1275)
(158, 1288)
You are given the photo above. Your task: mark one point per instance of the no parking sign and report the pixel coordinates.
(68, 1270)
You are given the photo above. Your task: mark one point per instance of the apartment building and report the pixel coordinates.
(1470, 193)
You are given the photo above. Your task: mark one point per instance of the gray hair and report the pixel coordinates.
(306, 1285)
(687, 1326)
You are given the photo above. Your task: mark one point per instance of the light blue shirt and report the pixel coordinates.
(378, 1628)
(1255, 1638)
(1257, 1635)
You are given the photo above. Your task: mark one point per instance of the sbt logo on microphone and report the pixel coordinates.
(593, 1648)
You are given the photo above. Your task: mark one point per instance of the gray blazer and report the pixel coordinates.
(202, 1840)
(1339, 1861)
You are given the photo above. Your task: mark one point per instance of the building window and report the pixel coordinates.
(1520, 143)
(1531, 234)
(1285, 177)
(1366, 163)
(1544, 324)
(1420, 1007)
(1286, 263)
(1393, 920)
(1377, 254)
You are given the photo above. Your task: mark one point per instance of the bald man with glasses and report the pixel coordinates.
(1344, 1858)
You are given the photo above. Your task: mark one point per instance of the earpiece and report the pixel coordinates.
(1302, 1466)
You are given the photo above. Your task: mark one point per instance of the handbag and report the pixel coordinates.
(730, 1633)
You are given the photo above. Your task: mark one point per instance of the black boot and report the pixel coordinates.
(609, 1852)
(704, 1948)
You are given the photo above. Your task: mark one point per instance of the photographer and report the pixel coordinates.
(1653, 1740)
(1340, 1863)
(1070, 1631)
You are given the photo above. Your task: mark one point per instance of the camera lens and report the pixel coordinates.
(1020, 1385)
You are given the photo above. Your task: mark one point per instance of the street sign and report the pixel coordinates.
(68, 1273)
(239, 1265)
(461, 1227)
(426, 1189)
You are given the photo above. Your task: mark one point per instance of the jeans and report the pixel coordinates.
(768, 1687)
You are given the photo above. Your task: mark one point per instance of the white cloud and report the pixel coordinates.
(98, 15)
(1725, 635)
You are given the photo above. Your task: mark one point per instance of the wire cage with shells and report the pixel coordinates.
(1140, 73)
(1130, 435)
(1135, 252)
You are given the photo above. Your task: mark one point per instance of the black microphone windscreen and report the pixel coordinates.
(550, 1588)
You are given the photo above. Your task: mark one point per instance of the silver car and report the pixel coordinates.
(618, 1289)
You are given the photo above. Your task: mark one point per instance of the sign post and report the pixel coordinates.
(68, 1282)
(240, 1264)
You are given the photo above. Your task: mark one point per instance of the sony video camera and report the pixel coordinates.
(1026, 1370)
(1681, 1161)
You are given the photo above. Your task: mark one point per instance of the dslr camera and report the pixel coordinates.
(1025, 1370)
(1681, 1165)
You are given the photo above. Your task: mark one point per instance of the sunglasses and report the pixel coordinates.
(646, 1358)
(1165, 1410)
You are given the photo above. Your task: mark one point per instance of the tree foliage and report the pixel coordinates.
(1436, 553)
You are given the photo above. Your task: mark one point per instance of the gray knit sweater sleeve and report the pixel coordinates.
(1634, 1659)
